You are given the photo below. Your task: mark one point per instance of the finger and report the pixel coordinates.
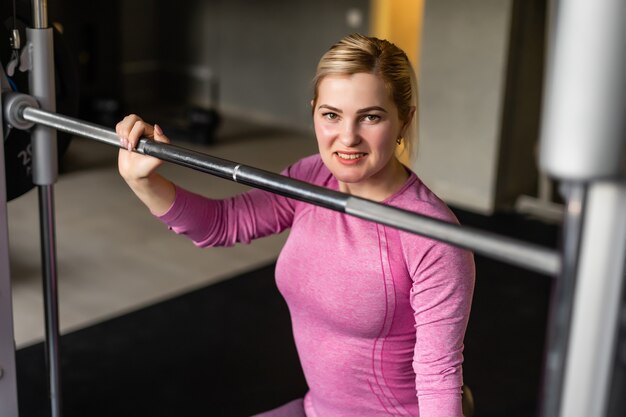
(124, 127)
(159, 136)
(124, 143)
(139, 130)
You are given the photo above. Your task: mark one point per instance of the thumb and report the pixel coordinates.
(159, 136)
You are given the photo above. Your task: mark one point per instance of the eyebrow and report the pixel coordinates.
(360, 111)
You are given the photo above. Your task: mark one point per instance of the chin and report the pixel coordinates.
(345, 174)
(347, 178)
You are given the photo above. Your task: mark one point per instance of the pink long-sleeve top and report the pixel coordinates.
(378, 314)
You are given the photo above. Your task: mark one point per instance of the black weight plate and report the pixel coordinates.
(18, 164)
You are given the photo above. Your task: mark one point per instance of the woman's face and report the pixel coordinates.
(356, 125)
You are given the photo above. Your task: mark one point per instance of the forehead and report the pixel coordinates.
(360, 89)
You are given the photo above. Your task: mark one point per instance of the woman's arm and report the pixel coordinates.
(139, 171)
(225, 222)
(207, 222)
(441, 298)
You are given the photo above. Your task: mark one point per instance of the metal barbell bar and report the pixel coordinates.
(18, 109)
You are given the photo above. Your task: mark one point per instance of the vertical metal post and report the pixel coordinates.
(45, 172)
(40, 14)
(8, 377)
(584, 142)
(596, 305)
(50, 284)
(562, 301)
(582, 136)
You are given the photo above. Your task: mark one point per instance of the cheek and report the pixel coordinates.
(321, 139)
(382, 139)
(324, 133)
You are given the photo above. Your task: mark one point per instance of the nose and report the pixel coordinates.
(350, 135)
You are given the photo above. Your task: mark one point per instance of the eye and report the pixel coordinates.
(330, 115)
(371, 118)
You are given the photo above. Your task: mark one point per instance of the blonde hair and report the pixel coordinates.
(357, 53)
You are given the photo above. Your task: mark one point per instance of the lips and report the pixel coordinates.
(350, 156)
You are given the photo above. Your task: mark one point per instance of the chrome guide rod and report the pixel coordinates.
(561, 304)
(40, 13)
(47, 226)
(503, 248)
(41, 81)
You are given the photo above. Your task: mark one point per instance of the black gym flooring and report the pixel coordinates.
(226, 349)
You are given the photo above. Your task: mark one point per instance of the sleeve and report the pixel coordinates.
(239, 219)
(441, 295)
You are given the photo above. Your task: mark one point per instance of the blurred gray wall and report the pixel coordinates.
(253, 58)
(480, 100)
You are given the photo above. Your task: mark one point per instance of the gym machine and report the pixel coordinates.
(583, 144)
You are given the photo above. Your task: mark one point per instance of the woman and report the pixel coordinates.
(378, 314)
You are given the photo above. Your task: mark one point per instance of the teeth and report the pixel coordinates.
(350, 156)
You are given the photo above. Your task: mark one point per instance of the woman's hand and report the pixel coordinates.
(133, 166)
(139, 171)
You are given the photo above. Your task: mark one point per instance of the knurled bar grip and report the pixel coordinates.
(516, 252)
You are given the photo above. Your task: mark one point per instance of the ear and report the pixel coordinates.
(312, 104)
